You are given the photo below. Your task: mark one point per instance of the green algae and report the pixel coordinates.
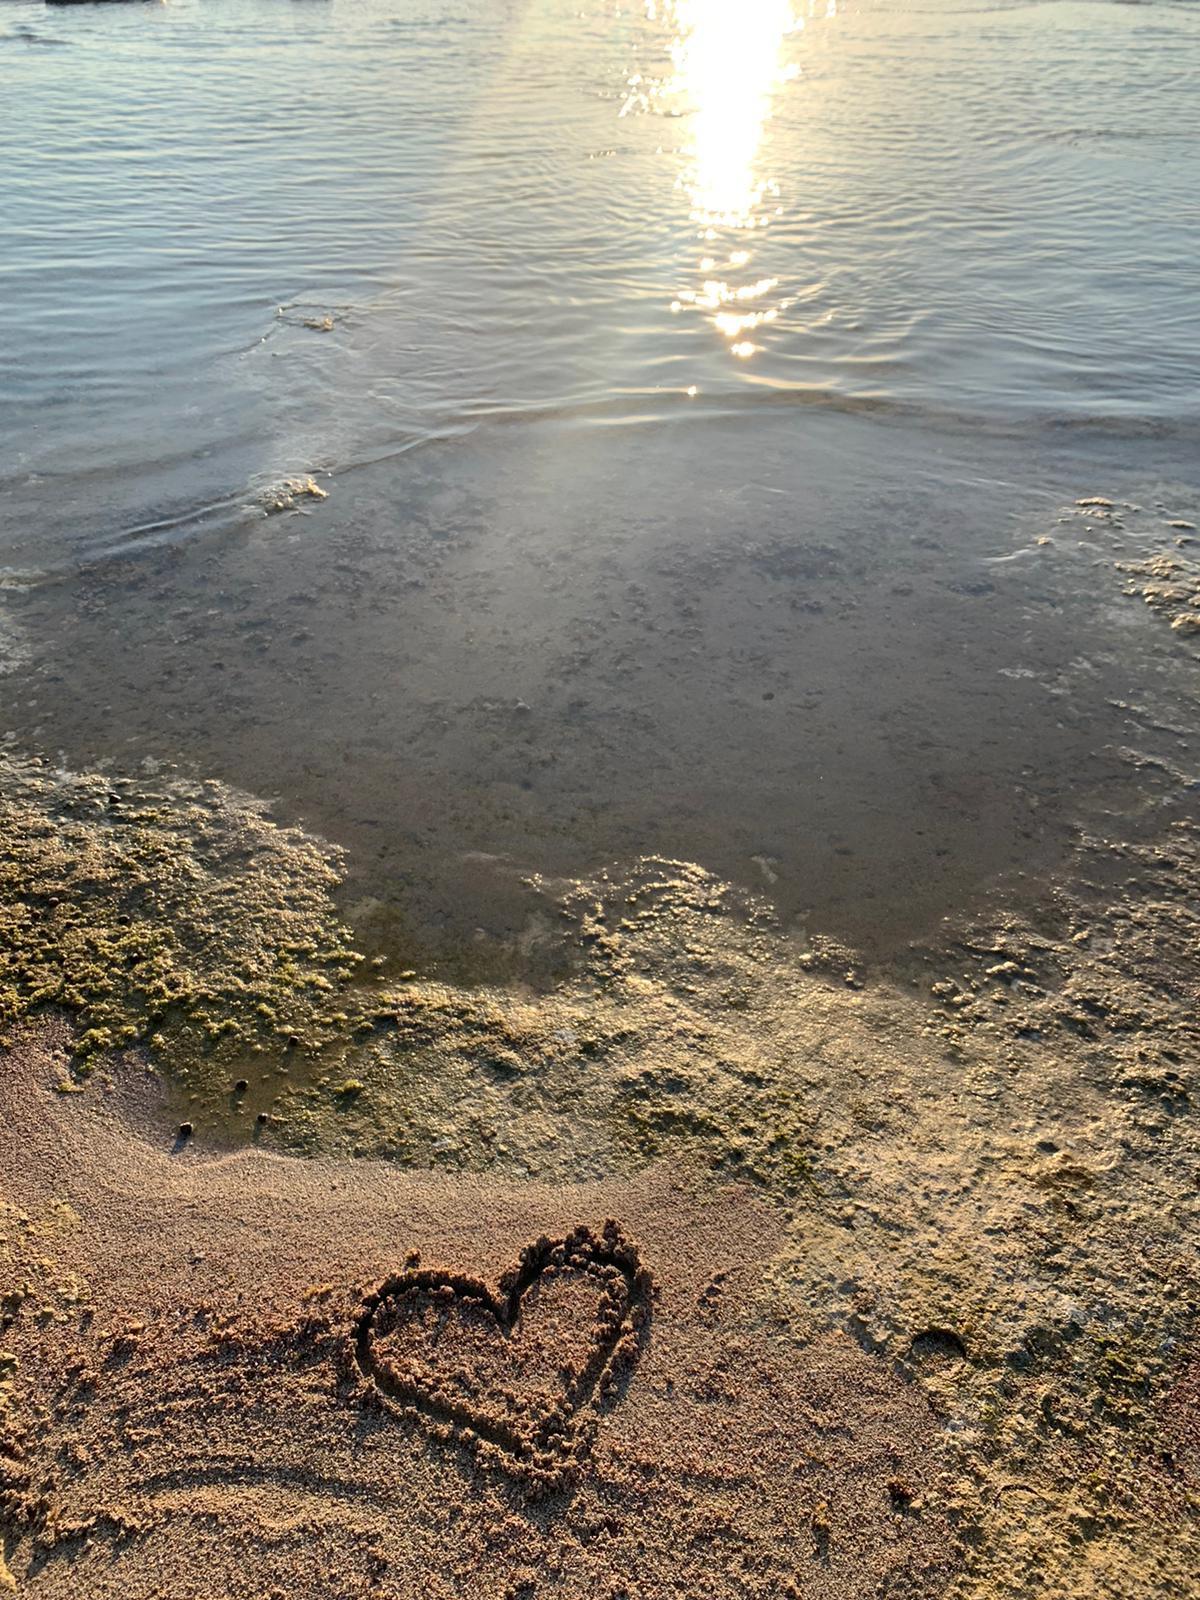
(628, 1059)
(181, 919)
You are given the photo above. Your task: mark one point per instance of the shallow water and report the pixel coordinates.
(682, 378)
(977, 212)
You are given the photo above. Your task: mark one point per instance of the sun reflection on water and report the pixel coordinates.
(728, 59)
(729, 65)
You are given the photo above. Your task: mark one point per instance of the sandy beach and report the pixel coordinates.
(193, 1419)
(728, 1263)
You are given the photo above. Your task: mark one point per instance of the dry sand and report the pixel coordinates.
(186, 1415)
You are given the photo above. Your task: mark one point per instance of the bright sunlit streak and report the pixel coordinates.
(728, 65)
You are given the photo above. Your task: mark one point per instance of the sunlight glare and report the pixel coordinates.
(727, 68)
(729, 62)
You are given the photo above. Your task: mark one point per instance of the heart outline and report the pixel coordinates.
(554, 1452)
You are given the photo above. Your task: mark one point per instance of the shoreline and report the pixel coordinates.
(951, 1192)
(968, 1190)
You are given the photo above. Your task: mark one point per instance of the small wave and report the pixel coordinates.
(648, 409)
(671, 406)
(28, 36)
(991, 7)
(135, 539)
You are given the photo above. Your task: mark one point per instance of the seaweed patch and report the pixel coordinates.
(177, 916)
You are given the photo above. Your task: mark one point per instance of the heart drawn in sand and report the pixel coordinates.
(520, 1373)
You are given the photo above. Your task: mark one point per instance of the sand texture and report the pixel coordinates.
(191, 1414)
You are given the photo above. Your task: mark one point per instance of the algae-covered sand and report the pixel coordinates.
(919, 1241)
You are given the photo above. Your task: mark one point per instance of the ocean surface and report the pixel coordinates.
(683, 378)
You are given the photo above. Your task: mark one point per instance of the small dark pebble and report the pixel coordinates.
(240, 1086)
(185, 1130)
(262, 1117)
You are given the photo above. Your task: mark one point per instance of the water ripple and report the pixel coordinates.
(977, 215)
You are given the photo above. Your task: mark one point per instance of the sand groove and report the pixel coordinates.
(521, 1369)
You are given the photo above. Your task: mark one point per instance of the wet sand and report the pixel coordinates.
(516, 655)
